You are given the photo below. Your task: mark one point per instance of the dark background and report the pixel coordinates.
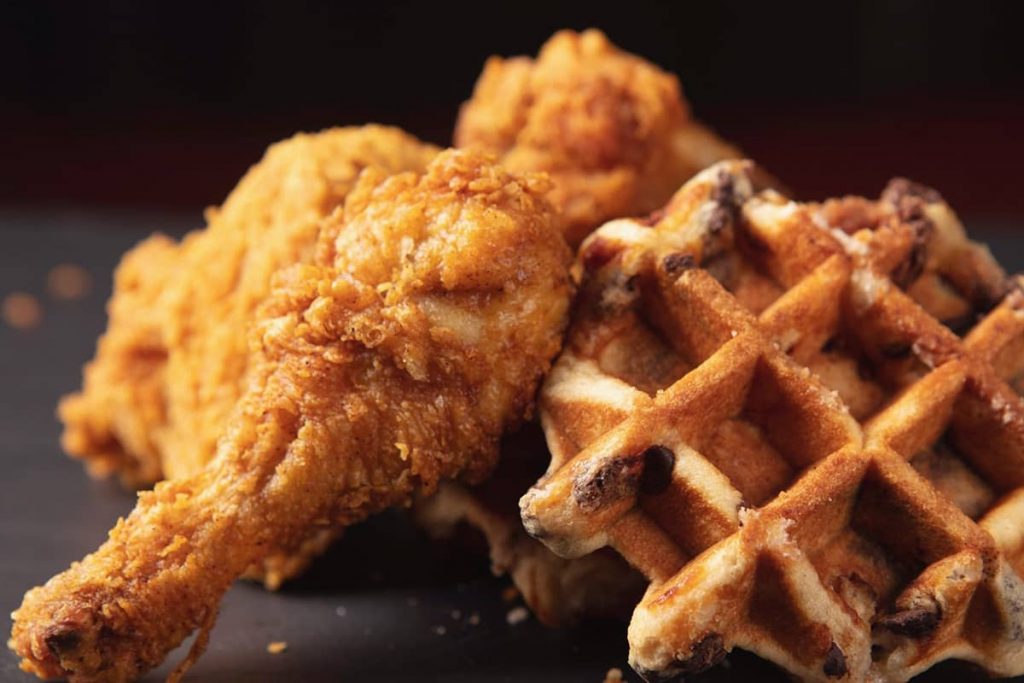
(144, 104)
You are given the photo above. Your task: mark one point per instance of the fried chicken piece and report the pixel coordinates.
(172, 363)
(611, 129)
(395, 360)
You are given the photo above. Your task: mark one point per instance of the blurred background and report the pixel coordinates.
(164, 105)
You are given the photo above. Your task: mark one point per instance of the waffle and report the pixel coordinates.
(559, 591)
(802, 423)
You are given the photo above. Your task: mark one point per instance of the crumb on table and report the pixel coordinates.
(68, 282)
(517, 615)
(277, 647)
(22, 311)
(614, 675)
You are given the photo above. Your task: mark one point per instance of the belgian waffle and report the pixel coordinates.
(559, 591)
(800, 423)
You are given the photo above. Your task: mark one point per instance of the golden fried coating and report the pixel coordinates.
(171, 365)
(611, 129)
(395, 359)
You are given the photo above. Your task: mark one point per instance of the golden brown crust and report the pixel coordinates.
(611, 129)
(393, 361)
(171, 365)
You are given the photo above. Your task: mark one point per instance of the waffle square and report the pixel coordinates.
(803, 424)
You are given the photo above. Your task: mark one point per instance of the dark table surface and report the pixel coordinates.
(385, 604)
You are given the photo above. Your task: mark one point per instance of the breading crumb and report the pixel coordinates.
(517, 615)
(68, 282)
(277, 647)
(22, 311)
(614, 675)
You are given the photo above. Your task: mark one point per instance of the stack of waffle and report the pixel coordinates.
(800, 422)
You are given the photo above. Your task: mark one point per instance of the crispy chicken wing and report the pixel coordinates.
(394, 360)
(170, 367)
(611, 129)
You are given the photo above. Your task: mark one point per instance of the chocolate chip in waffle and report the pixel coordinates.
(559, 591)
(766, 408)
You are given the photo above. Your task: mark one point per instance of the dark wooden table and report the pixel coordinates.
(384, 605)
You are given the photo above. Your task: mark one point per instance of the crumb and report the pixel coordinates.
(456, 614)
(22, 311)
(517, 615)
(474, 619)
(510, 593)
(614, 675)
(277, 647)
(68, 282)
(340, 610)
(403, 450)
(439, 630)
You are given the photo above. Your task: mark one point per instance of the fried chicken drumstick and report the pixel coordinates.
(396, 359)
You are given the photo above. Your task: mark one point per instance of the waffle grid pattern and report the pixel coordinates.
(766, 408)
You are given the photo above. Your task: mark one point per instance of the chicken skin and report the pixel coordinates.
(611, 129)
(394, 360)
(172, 363)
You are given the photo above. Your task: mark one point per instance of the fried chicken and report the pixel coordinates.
(394, 360)
(611, 129)
(172, 363)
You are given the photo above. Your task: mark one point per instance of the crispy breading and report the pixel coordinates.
(611, 129)
(171, 365)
